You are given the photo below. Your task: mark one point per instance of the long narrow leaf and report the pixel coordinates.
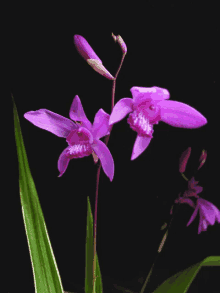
(45, 271)
(181, 281)
(89, 257)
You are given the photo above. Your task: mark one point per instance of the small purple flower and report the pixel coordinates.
(202, 158)
(193, 188)
(83, 140)
(208, 212)
(148, 107)
(184, 159)
(86, 51)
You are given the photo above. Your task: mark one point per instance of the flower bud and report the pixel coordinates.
(86, 51)
(121, 43)
(184, 159)
(202, 158)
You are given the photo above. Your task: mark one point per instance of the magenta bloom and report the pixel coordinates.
(184, 159)
(86, 51)
(208, 212)
(148, 107)
(82, 139)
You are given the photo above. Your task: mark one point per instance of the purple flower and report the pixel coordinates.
(148, 107)
(184, 159)
(208, 212)
(193, 188)
(202, 158)
(86, 51)
(82, 139)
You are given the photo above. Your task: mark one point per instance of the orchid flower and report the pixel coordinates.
(148, 107)
(83, 140)
(86, 51)
(209, 213)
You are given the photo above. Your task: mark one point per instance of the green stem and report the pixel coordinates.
(98, 175)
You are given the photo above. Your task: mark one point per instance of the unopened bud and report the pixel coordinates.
(202, 158)
(97, 66)
(184, 159)
(86, 51)
(121, 43)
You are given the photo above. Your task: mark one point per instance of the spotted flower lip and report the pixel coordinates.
(83, 140)
(148, 107)
(86, 51)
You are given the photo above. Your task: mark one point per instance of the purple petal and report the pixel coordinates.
(63, 162)
(105, 157)
(120, 110)
(84, 49)
(178, 114)
(185, 200)
(202, 226)
(77, 113)
(141, 143)
(80, 135)
(208, 210)
(193, 215)
(155, 93)
(50, 121)
(100, 126)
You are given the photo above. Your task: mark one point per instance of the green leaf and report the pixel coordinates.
(181, 281)
(89, 257)
(45, 271)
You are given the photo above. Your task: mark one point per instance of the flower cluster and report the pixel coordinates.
(147, 107)
(209, 213)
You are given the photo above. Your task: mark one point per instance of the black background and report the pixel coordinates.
(173, 46)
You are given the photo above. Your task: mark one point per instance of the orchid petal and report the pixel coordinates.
(202, 226)
(63, 162)
(209, 210)
(81, 135)
(120, 110)
(193, 215)
(155, 93)
(105, 157)
(100, 126)
(77, 113)
(181, 115)
(141, 143)
(50, 121)
(185, 200)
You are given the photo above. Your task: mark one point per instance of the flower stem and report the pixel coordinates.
(97, 178)
(159, 250)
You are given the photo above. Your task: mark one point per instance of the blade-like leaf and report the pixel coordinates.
(181, 281)
(45, 271)
(89, 257)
